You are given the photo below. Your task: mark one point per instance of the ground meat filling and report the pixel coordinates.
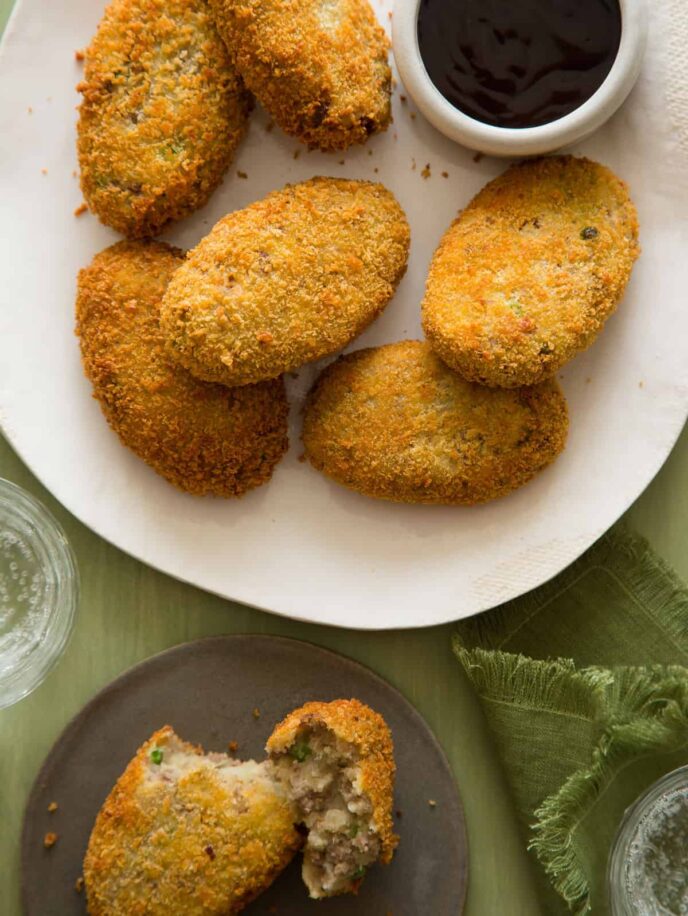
(321, 775)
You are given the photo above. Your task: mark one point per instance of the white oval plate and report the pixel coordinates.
(303, 546)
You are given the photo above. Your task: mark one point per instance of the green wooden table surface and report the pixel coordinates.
(129, 612)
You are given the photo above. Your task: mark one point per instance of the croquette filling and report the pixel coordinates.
(172, 761)
(320, 773)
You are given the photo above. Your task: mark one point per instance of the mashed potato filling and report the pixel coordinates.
(320, 774)
(174, 762)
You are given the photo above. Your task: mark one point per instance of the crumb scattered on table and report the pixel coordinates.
(426, 173)
(399, 813)
(44, 171)
(79, 884)
(256, 713)
(233, 747)
(79, 55)
(49, 840)
(53, 806)
(641, 384)
(81, 209)
(242, 174)
(402, 99)
(297, 153)
(445, 174)
(30, 110)
(432, 802)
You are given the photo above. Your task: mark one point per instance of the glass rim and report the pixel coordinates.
(616, 889)
(47, 537)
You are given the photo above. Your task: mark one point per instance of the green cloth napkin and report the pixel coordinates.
(584, 683)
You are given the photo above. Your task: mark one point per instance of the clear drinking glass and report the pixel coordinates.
(39, 587)
(648, 866)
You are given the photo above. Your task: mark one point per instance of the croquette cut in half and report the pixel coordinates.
(396, 423)
(528, 274)
(185, 832)
(203, 438)
(291, 278)
(319, 68)
(336, 762)
(163, 111)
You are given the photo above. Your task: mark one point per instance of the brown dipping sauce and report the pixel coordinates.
(518, 63)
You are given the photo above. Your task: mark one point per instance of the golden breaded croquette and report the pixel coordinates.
(336, 762)
(396, 423)
(293, 277)
(181, 832)
(202, 438)
(319, 68)
(528, 274)
(163, 111)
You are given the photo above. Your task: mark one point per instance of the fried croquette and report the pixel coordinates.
(528, 274)
(319, 68)
(163, 111)
(202, 438)
(293, 277)
(186, 833)
(396, 423)
(336, 762)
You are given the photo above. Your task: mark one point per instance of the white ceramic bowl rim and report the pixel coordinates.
(528, 140)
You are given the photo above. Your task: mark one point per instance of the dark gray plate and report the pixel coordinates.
(207, 690)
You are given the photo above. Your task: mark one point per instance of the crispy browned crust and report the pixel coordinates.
(163, 111)
(396, 423)
(287, 280)
(528, 274)
(186, 846)
(365, 729)
(202, 438)
(320, 68)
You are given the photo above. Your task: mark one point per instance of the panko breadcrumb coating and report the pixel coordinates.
(336, 761)
(318, 66)
(185, 833)
(396, 423)
(293, 277)
(528, 274)
(202, 438)
(163, 111)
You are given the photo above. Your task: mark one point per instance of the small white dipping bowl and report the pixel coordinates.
(526, 141)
